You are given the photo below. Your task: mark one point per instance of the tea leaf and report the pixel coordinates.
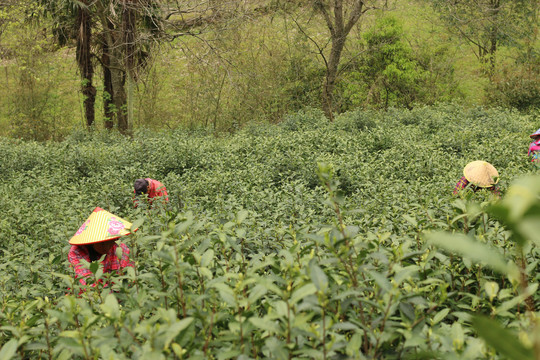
(503, 340)
(319, 278)
(8, 350)
(469, 248)
(302, 292)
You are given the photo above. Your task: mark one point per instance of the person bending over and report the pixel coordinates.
(479, 175)
(534, 148)
(96, 237)
(152, 188)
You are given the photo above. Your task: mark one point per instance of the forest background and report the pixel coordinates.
(222, 64)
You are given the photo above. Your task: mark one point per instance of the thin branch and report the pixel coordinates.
(320, 6)
(320, 50)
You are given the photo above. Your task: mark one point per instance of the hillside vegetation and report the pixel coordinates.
(258, 63)
(301, 240)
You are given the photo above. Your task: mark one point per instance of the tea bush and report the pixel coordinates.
(304, 240)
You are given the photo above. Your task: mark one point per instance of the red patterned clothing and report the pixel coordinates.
(463, 182)
(111, 263)
(155, 189)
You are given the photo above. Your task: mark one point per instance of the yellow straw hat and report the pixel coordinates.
(481, 173)
(101, 226)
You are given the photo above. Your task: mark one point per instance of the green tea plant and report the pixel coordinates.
(509, 255)
(318, 240)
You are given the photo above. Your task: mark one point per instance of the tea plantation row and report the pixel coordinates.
(303, 240)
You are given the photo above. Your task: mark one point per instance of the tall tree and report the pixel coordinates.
(73, 22)
(340, 16)
(106, 30)
(486, 24)
(339, 19)
(127, 30)
(84, 60)
(108, 103)
(129, 20)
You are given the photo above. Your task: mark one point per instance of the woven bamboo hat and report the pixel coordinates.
(537, 133)
(101, 226)
(481, 173)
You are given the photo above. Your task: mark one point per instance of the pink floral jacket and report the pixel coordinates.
(534, 146)
(111, 263)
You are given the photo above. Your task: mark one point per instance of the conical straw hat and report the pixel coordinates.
(481, 173)
(537, 133)
(101, 226)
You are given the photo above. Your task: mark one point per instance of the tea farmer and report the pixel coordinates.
(534, 147)
(97, 237)
(152, 188)
(479, 175)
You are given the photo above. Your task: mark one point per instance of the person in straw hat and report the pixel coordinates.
(479, 175)
(150, 187)
(96, 237)
(534, 147)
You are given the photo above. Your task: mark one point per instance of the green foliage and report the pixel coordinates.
(518, 211)
(501, 339)
(389, 73)
(36, 108)
(391, 67)
(486, 24)
(307, 119)
(255, 69)
(516, 86)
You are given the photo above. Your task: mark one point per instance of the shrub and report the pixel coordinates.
(516, 86)
(306, 119)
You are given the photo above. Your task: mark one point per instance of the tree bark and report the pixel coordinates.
(108, 102)
(108, 99)
(118, 81)
(84, 61)
(331, 77)
(333, 13)
(128, 31)
(493, 36)
(112, 47)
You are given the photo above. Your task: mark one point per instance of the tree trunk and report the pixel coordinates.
(128, 30)
(118, 82)
(113, 50)
(108, 102)
(333, 13)
(331, 76)
(117, 108)
(84, 61)
(493, 36)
